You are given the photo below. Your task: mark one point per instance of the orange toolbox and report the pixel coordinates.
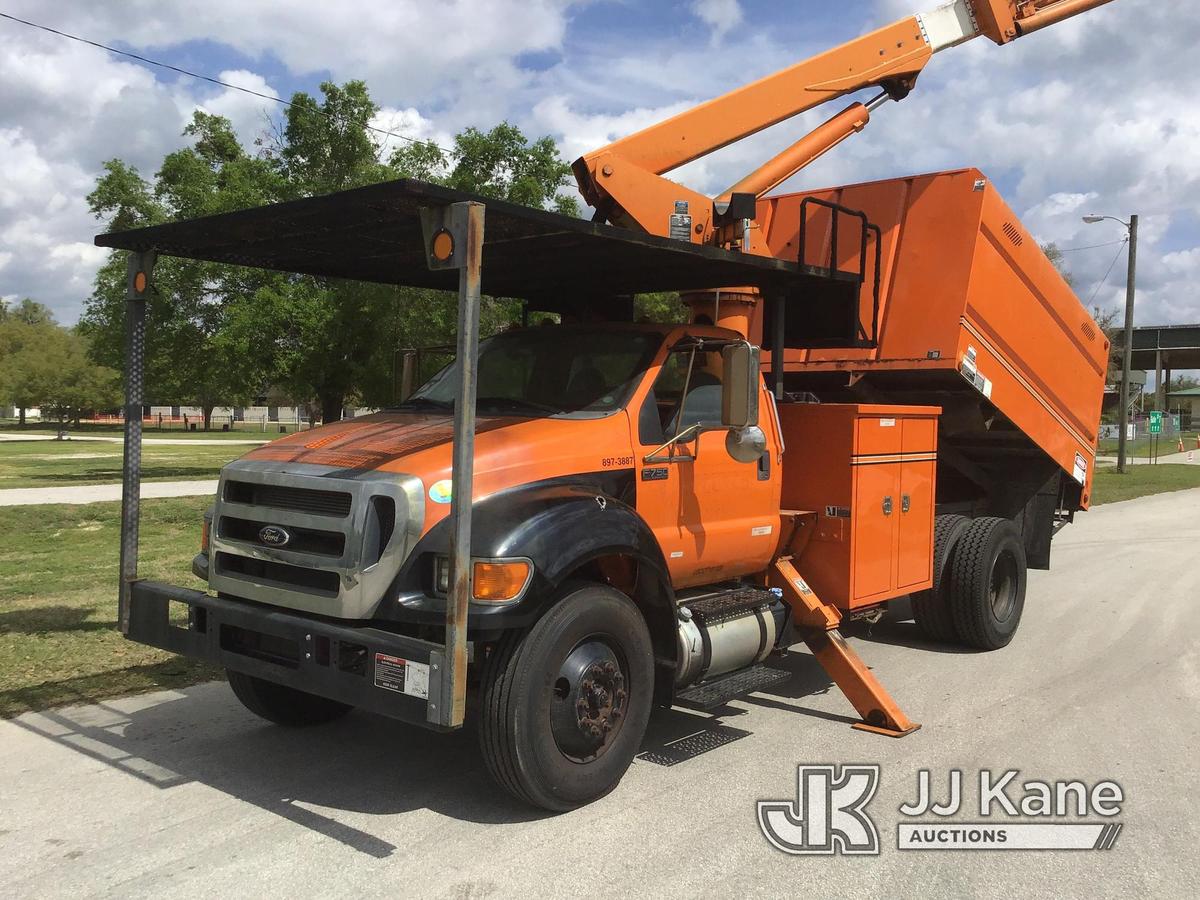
(867, 474)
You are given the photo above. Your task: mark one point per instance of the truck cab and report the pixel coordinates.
(599, 449)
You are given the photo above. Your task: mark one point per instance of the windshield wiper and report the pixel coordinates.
(519, 402)
(423, 403)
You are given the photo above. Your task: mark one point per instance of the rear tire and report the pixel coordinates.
(987, 583)
(931, 608)
(565, 703)
(283, 705)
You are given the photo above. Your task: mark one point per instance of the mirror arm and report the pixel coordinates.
(687, 381)
(653, 457)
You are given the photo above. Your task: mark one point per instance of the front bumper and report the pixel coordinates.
(364, 667)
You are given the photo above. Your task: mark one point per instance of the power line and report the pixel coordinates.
(1091, 247)
(1100, 283)
(202, 77)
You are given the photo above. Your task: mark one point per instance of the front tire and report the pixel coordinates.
(283, 705)
(565, 703)
(987, 583)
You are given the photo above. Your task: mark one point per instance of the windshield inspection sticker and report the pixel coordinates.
(439, 491)
(402, 676)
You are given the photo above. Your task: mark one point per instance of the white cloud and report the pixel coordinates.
(719, 15)
(1093, 115)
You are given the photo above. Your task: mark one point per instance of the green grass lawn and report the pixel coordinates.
(25, 464)
(58, 602)
(240, 432)
(1140, 481)
(1142, 447)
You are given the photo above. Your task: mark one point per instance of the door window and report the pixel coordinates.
(665, 413)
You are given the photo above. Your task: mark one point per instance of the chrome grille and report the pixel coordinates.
(276, 496)
(348, 533)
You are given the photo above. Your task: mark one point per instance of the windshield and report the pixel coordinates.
(550, 371)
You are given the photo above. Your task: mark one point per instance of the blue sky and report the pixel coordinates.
(1097, 114)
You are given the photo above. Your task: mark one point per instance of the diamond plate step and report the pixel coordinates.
(720, 691)
(730, 605)
(693, 745)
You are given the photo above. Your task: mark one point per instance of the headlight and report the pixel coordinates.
(441, 575)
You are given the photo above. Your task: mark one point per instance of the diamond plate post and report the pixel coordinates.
(140, 269)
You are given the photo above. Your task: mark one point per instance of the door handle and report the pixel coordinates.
(887, 506)
(905, 503)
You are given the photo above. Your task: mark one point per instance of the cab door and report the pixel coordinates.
(714, 517)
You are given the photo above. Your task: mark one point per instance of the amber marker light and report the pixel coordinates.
(501, 580)
(443, 246)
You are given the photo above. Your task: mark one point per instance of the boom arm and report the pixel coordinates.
(623, 180)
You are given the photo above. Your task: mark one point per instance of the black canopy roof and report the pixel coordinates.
(373, 233)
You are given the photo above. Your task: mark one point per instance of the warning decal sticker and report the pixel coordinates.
(1081, 468)
(392, 673)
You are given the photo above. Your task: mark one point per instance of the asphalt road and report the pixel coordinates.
(186, 794)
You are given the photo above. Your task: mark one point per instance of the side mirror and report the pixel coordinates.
(740, 388)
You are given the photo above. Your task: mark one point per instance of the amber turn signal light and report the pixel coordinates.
(204, 534)
(497, 582)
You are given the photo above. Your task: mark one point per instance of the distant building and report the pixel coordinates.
(1187, 404)
(12, 412)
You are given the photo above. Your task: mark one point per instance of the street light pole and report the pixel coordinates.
(1127, 361)
(1127, 354)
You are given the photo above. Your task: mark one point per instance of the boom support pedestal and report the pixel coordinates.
(817, 623)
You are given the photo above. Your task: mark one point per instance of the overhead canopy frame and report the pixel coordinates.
(374, 234)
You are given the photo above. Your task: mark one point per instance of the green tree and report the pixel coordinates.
(75, 385)
(24, 326)
(44, 364)
(336, 340)
(188, 359)
(26, 361)
(28, 311)
(220, 333)
(1059, 260)
(665, 307)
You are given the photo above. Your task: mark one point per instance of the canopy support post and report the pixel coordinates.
(454, 239)
(139, 272)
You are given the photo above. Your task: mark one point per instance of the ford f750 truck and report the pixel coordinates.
(884, 390)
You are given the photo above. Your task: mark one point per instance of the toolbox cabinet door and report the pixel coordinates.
(914, 544)
(876, 512)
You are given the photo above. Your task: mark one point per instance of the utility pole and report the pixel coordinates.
(1127, 355)
(1127, 359)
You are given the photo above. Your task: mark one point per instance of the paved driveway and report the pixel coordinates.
(186, 794)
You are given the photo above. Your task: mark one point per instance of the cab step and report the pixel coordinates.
(719, 691)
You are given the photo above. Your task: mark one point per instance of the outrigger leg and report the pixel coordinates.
(817, 622)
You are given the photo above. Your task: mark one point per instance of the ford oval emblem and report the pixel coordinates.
(274, 536)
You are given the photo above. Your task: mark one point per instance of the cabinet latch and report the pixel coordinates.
(905, 502)
(887, 506)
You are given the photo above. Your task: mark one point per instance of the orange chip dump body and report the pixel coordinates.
(972, 317)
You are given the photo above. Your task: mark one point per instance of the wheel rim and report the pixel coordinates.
(1003, 586)
(589, 701)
